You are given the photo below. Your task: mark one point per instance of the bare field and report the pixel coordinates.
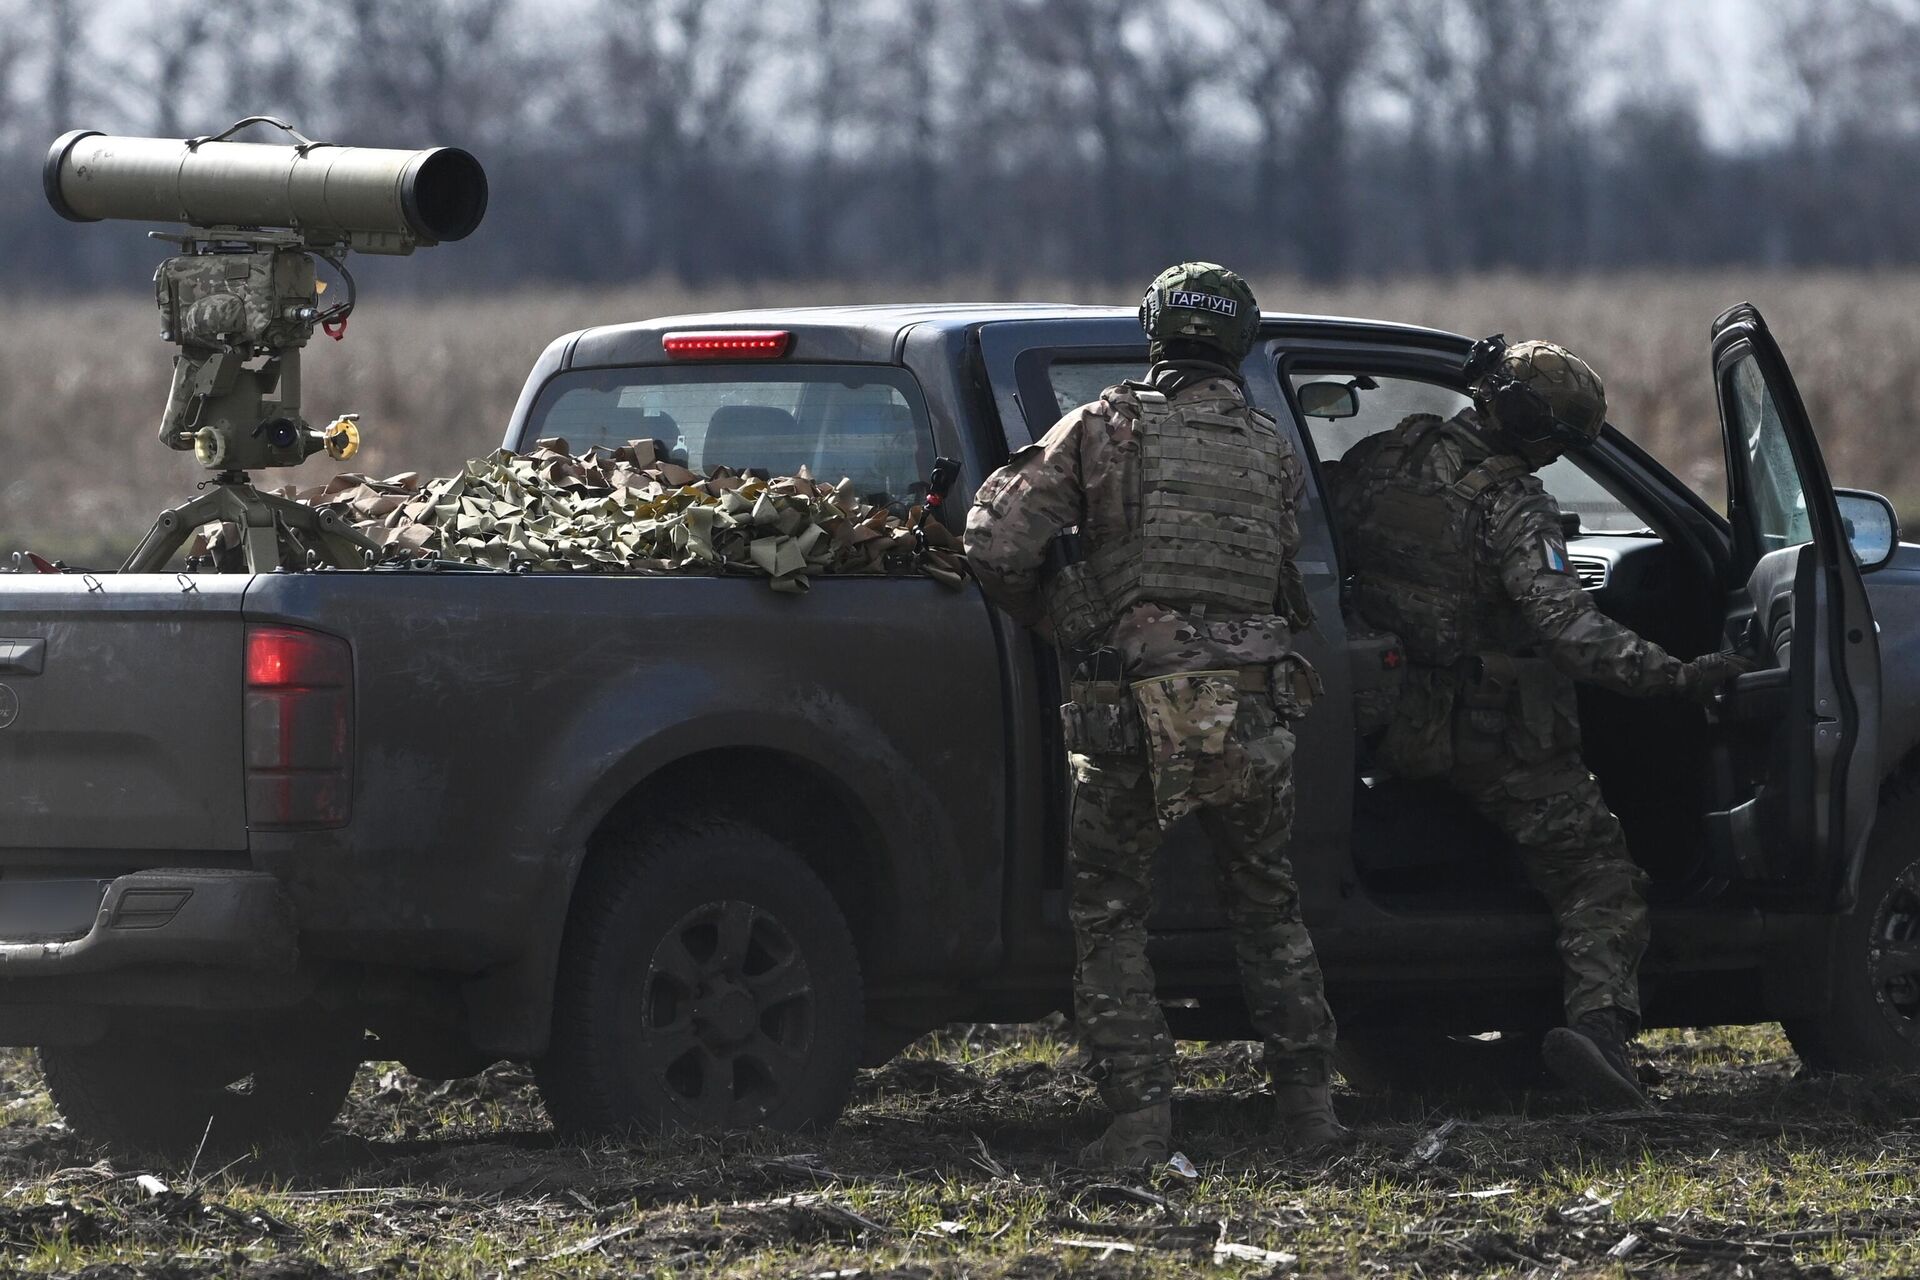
(949, 1164)
(82, 381)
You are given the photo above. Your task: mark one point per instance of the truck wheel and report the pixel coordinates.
(708, 981)
(1873, 1020)
(142, 1093)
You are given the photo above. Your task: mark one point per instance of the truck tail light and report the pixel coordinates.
(298, 729)
(729, 344)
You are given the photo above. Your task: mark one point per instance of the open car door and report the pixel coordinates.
(1797, 744)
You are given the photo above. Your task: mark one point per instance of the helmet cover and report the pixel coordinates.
(1201, 302)
(1539, 393)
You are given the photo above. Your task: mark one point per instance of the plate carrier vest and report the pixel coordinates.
(1416, 540)
(1214, 532)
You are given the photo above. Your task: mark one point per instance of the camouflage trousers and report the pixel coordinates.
(1115, 834)
(1575, 854)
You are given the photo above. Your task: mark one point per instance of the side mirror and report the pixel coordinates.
(1873, 528)
(1328, 400)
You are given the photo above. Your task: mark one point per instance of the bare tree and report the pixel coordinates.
(1012, 140)
(670, 94)
(1522, 65)
(1113, 83)
(16, 43)
(271, 57)
(63, 50)
(436, 69)
(1422, 67)
(1301, 61)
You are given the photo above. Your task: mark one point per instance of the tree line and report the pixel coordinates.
(1014, 142)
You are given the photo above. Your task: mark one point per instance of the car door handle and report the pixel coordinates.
(22, 657)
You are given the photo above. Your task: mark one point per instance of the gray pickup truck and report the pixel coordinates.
(696, 849)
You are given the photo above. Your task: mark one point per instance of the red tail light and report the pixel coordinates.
(729, 344)
(298, 729)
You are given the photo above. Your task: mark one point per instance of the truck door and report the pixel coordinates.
(1796, 754)
(120, 700)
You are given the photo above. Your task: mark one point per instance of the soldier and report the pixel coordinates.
(1454, 544)
(1183, 496)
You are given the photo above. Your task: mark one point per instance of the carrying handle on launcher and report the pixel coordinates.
(306, 144)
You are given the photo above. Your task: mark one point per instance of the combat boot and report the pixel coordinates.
(1306, 1120)
(1133, 1139)
(1590, 1057)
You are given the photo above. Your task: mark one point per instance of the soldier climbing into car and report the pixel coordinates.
(1183, 496)
(1454, 545)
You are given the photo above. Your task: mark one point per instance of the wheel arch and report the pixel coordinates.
(791, 798)
(792, 794)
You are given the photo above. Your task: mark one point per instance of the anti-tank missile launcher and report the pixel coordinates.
(244, 296)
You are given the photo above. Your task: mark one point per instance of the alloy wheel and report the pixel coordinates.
(727, 1015)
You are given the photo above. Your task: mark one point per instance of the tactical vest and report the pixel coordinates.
(1213, 534)
(1415, 540)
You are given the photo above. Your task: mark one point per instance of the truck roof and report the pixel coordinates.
(874, 332)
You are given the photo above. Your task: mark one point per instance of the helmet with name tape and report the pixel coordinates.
(1201, 302)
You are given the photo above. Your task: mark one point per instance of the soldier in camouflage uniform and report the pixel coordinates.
(1184, 498)
(1454, 545)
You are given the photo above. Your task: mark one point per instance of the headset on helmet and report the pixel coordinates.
(1517, 408)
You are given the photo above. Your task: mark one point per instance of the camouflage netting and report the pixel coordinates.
(627, 510)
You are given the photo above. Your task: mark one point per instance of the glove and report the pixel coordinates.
(1702, 677)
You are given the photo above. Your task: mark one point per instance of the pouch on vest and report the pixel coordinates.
(1545, 718)
(1077, 607)
(1378, 670)
(1485, 683)
(1102, 719)
(1293, 603)
(1294, 686)
(1185, 719)
(1419, 739)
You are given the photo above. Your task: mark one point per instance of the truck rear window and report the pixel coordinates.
(1078, 382)
(866, 423)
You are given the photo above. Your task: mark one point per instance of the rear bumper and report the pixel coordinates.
(218, 919)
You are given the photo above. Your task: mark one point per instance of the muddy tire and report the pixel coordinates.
(167, 1095)
(708, 981)
(1873, 1022)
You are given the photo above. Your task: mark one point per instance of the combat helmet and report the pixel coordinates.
(1201, 302)
(1540, 395)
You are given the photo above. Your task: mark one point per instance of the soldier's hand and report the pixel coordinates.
(1705, 675)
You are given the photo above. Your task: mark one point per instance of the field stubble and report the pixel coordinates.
(82, 381)
(948, 1165)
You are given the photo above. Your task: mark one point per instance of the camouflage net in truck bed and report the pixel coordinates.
(627, 510)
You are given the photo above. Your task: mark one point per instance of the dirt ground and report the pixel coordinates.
(951, 1163)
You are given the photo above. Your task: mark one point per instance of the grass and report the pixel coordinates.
(950, 1163)
(437, 379)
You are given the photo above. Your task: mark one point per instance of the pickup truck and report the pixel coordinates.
(696, 850)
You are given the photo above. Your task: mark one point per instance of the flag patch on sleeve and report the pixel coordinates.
(1553, 553)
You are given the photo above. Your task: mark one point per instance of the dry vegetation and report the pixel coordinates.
(81, 382)
(948, 1165)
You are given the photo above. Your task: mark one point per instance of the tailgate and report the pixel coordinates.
(120, 712)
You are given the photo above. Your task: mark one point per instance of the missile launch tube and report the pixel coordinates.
(374, 197)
